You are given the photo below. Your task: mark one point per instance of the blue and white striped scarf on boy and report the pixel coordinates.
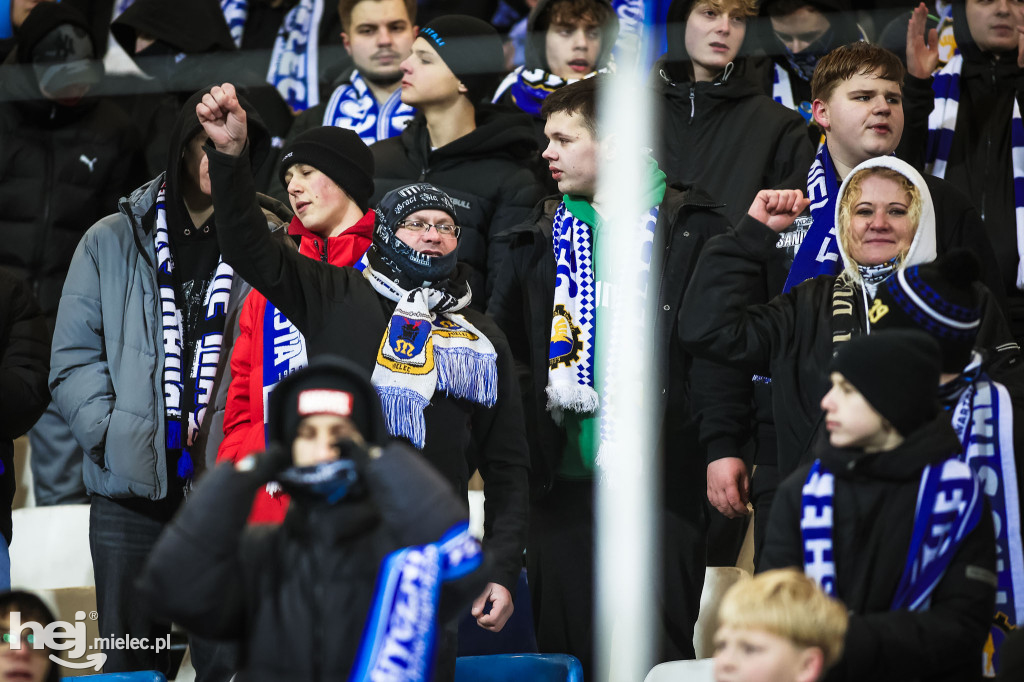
(294, 69)
(942, 128)
(948, 508)
(819, 251)
(353, 106)
(427, 346)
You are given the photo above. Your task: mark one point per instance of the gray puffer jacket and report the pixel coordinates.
(107, 361)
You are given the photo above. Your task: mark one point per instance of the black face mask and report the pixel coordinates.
(803, 62)
(326, 483)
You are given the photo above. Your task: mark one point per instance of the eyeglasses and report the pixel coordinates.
(444, 230)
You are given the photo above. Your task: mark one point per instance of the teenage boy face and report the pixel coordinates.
(799, 29)
(713, 39)
(862, 119)
(317, 437)
(572, 154)
(571, 48)
(849, 417)
(316, 199)
(380, 36)
(747, 655)
(993, 23)
(426, 79)
(429, 241)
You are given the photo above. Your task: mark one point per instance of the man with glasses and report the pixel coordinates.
(443, 371)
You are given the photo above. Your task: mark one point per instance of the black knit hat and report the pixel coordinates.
(937, 298)
(339, 154)
(328, 385)
(897, 372)
(471, 48)
(399, 257)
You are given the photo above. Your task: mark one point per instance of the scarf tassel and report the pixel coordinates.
(403, 413)
(173, 435)
(185, 468)
(464, 373)
(573, 397)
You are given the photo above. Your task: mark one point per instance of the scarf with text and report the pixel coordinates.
(353, 106)
(983, 419)
(208, 338)
(398, 640)
(427, 346)
(942, 128)
(818, 253)
(948, 508)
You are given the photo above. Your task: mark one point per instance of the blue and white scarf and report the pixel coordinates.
(530, 87)
(983, 418)
(353, 106)
(207, 349)
(398, 641)
(427, 346)
(819, 252)
(782, 92)
(571, 351)
(948, 509)
(942, 128)
(294, 67)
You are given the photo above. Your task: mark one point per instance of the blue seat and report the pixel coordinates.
(141, 676)
(517, 667)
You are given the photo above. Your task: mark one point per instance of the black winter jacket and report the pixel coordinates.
(61, 170)
(788, 338)
(874, 500)
(729, 139)
(338, 311)
(297, 595)
(24, 366)
(688, 390)
(492, 174)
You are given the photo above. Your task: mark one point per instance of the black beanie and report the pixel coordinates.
(339, 154)
(937, 298)
(897, 372)
(471, 48)
(328, 385)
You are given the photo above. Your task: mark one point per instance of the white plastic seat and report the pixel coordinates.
(50, 548)
(717, 580)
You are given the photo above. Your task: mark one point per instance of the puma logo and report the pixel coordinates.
(88, 162)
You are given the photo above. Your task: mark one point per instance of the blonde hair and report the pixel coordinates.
(790, 605)
(853, 195)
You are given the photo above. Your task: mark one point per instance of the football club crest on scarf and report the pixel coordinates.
(565, 339)
(408, 339)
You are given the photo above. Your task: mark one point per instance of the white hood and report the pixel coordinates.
(923, 247)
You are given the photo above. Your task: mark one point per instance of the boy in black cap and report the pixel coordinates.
(982, 397)
(307, 598)
(888, 520)
(443, 371)
(484, 156)
(329, 176)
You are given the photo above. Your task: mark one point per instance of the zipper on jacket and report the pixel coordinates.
(693, 94)
(423, 174)
(323, 253)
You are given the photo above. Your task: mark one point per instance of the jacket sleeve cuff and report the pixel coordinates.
(722, 447)
(756, 238)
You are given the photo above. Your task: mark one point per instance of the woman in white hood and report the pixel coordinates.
(885, 222)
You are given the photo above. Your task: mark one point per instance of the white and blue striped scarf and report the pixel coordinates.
(294, 70)
(942, 128)
(353, 106)
(428, 346)
(948, 508)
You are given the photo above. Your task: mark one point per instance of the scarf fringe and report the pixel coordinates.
(403, 413)
(575, 398)
(465, 373)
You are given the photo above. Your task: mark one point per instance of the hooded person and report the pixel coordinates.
(330, 572)
(329, 175)
(566, 41)
(885, 223)
(444, 372)
(68, 156)
(964, 125)
(711, 117)
(482, 155)
(180, 47)
(140, 353)
(982, 398)
(889, 521)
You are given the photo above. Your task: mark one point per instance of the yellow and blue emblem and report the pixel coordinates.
(565, 339)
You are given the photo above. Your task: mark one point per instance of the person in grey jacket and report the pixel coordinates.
(139, 370)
